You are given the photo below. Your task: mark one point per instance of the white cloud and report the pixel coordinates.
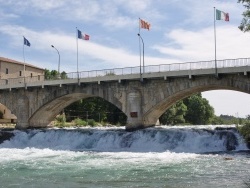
(199, 45)
(115, 57)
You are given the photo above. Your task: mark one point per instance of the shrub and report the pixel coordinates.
(60, 120)
(80, 122)
(91, 122)
(245, 132)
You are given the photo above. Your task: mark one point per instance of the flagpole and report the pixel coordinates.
(140, 46)
(215, 58)
(23, 61)
(77, 53)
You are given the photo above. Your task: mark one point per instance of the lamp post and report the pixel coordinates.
(142, 52)
(58, 60)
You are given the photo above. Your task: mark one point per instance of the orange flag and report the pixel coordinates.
(144, 24)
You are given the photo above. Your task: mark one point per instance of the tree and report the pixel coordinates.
(50, 75)
(64, 75)
(175, 114)
(97, 109)
(199, 111)
(47, 74)
(245, 23)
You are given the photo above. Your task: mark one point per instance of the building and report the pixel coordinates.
(15, 72)
(12, 71)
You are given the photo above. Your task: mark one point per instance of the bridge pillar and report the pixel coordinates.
(22, 112)
(134, 111)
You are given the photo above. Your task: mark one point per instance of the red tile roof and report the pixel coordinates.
(18, 62)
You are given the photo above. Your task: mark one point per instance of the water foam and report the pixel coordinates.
(159, 139)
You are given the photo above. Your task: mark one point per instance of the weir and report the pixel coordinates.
(193, 139)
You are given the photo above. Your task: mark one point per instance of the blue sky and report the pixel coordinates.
(181, 31)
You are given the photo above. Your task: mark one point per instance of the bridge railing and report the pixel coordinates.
(163, 68)
(226, 63)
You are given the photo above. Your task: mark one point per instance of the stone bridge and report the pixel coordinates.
(143, 97)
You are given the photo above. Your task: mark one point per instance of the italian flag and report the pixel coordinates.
(220, 15)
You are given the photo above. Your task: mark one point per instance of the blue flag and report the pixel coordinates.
(79, 33)
(26, 42)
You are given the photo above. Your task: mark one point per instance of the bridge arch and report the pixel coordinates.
(6, 115)
(180, 88)
(47, 113)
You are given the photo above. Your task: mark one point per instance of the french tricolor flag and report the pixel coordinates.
(81, 36)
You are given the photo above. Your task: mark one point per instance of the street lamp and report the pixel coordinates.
(58, 60)
(142, 51)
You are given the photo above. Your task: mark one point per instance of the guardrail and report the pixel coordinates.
(226, 63)
(163, 68)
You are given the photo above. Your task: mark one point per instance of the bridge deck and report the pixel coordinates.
(228, 66)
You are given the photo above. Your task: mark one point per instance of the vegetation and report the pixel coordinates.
(53, 75)
(60, 120)
(193, 110)
(199, 112)
(95, 109)
(245, 23)
(245, 132)
(175, 114)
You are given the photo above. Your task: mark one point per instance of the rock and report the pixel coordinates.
(5, 136)
(228, 158)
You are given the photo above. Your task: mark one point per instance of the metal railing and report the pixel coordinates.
(226, 63)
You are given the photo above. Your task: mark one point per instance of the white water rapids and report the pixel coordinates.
(172, 157)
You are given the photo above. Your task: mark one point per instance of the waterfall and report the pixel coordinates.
(191, 139)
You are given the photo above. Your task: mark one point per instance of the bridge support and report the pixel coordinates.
(134, 111)
(22, 111)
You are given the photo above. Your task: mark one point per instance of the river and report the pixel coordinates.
(169, 157)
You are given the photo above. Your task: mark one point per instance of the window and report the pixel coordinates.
(7, 71)
(20, 73)
(31, 75)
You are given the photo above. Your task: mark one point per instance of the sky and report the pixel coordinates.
(181, 31)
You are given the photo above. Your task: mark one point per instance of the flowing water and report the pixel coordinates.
(169, 157)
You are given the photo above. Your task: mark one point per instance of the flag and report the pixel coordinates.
(86, 37)
(144, 24)
(81, 36)
(220, 15)
(26, 42)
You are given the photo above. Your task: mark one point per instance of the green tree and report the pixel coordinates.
(199, 111)
(97, 109)
(245, 23)
(217, 121)
(245, 132)
(64, 75)
(175, 114)
(50, 75)
(47, 74)
(54, 74)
